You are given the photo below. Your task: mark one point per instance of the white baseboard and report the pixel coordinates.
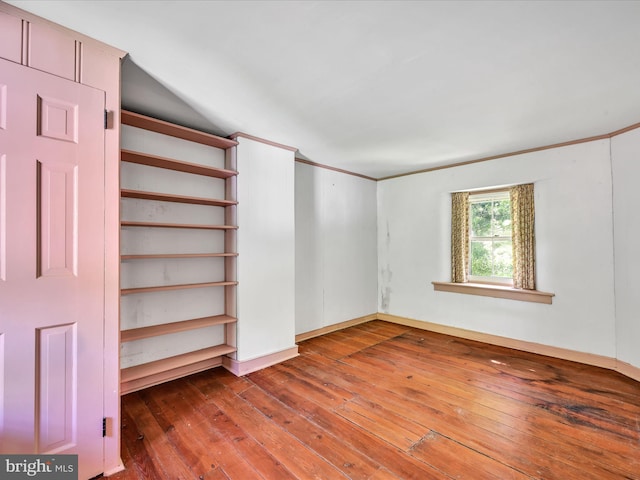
(335, 327)
(240, 368)
(113, 471)
(531, 347)
(628, 370)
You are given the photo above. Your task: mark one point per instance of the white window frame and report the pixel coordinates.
(476, 197)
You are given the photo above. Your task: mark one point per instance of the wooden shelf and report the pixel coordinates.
(159, 371)
(175, 255)
(153, 373)
(173, 130)
(150, 368)
(177, 165)
(170, 197)
(177, 225)
(184, 286)
(174, 327)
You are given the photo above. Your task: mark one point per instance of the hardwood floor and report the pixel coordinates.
(384, 401)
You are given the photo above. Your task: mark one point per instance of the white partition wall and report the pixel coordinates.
(625, 156)
(336, 247)
(266, 268)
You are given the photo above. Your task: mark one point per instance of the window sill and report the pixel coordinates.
(497, 291)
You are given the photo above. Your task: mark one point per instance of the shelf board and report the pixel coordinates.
(177, 165)
(170, 197)
(177, 225)
(159, 366)
(174, 327)
(153, 373)
(184, 286)
(175, 255)
(160, 126)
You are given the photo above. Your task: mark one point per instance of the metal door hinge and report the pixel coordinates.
(104, 427)
(106, 119)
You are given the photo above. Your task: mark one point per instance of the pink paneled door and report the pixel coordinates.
(51, 266)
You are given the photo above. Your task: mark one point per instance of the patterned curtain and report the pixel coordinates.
(523, 236)
(459, 237)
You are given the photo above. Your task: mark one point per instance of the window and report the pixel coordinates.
(491, 249)
(493, 245)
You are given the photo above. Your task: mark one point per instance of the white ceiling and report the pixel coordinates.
(376, 87)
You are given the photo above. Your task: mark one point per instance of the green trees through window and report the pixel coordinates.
(490, 235)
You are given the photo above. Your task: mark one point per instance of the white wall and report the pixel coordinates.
(266, 246)
(573, 194)
(336, 253)
(625, 153)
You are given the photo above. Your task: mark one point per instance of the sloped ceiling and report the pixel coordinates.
(376, 87)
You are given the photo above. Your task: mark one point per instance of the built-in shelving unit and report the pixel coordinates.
(155, 346)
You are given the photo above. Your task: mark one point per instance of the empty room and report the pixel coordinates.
(319, 239)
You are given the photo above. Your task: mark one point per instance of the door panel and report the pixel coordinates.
(51, 50)
(57, 240)
(3, 106)
(10, 32)
(57, 119)
(3, 216)
(51, 266)
(56, 369)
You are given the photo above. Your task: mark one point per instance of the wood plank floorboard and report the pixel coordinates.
(383, 401)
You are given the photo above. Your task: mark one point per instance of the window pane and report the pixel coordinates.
(502, 259)
(501, 218)
(481, 219)
(490, 236)
(481, 258)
